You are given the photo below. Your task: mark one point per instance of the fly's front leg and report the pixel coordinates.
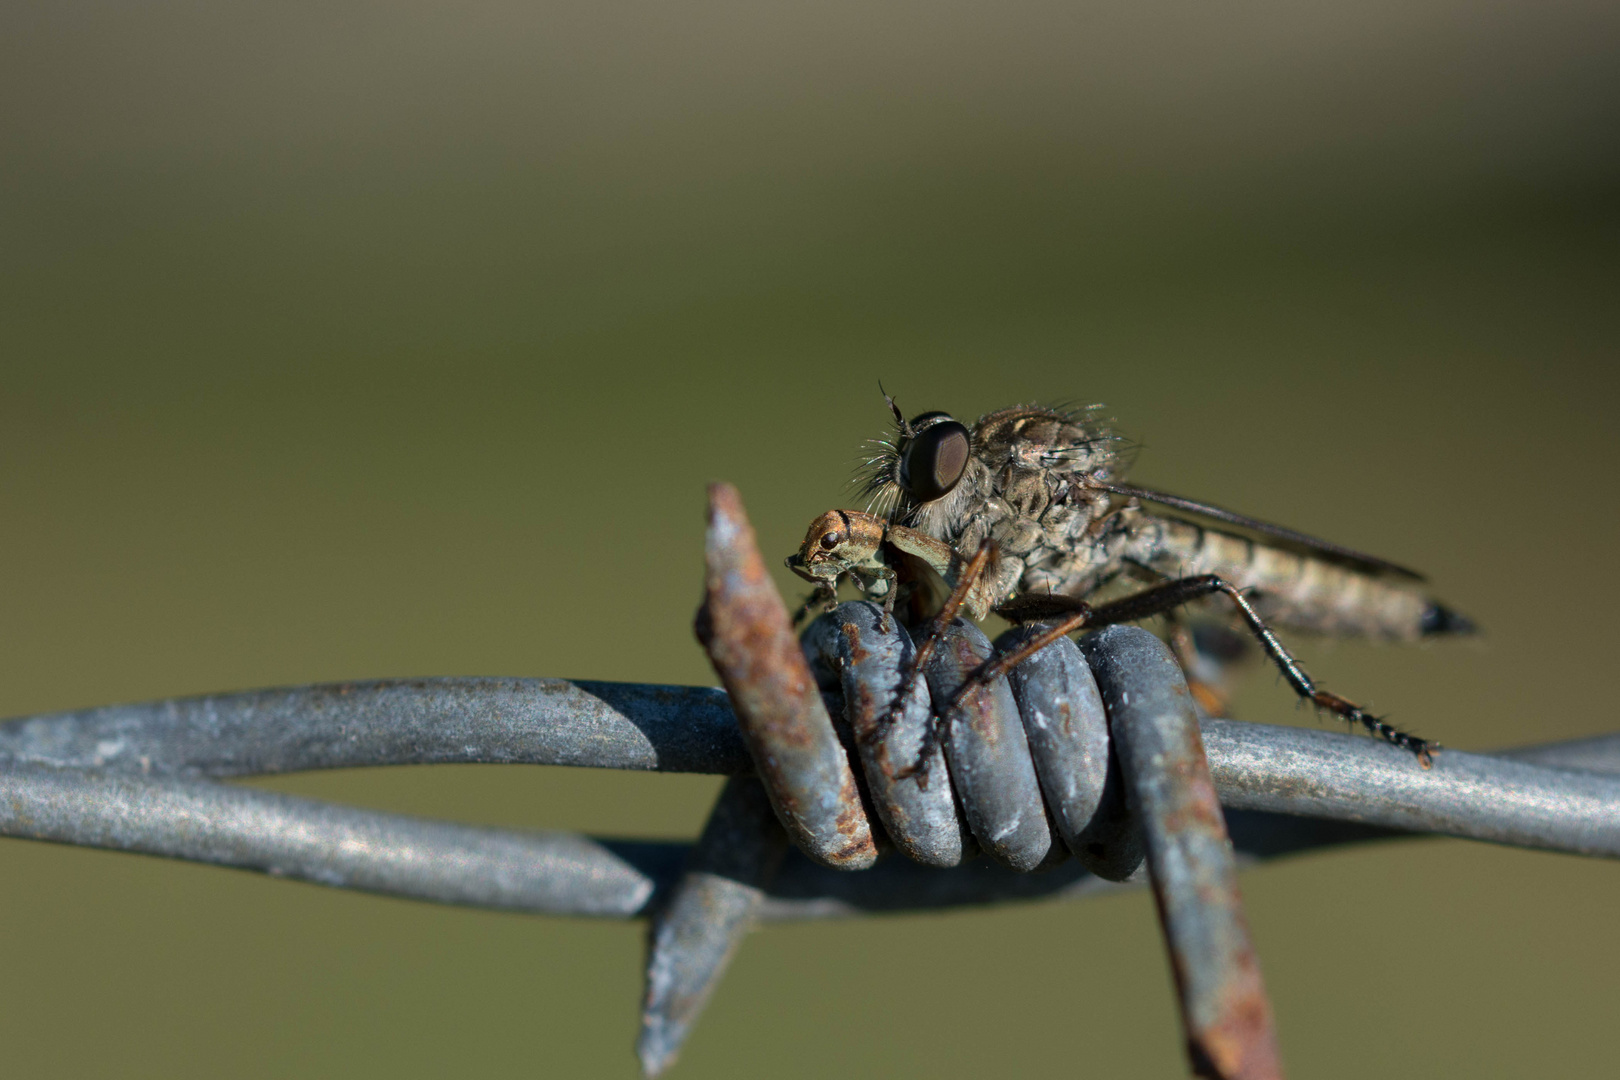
(965, 582)
(1173, 594)
(1070, 615)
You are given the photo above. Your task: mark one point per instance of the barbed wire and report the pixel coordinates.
(144, 779)
(1561, 796)
(147, 778)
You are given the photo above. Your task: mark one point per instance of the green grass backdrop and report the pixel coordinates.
(356, 339)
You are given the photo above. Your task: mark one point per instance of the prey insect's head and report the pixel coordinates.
(838, 542)
(926, 460)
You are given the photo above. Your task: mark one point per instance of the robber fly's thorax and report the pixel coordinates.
(1029, 488)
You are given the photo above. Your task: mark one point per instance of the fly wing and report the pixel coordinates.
(1325, 548)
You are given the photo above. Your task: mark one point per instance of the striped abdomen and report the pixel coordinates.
(1291, 588)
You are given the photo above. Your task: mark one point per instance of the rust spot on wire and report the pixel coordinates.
(858, 654)
(745, 629)
(868, 656)
(1226, 1015)
(1240, 1043)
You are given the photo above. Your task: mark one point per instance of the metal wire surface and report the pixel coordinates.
(145, 778)
(1558, 796)
(140, 778)
(538, 872)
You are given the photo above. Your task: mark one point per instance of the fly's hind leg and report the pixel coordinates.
(1074, 614)
(1172, 594)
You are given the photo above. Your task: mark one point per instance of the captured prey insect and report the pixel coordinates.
(1026, 515)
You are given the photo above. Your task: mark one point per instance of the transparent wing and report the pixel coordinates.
(1325, 548)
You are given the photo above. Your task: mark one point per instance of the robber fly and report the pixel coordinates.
(1027, 515)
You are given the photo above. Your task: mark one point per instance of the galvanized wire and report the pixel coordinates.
(141, 778)
(550, 873)
(1226, 1015)
(601, 725)
(1558, 797)
(1031, 776)
(137, 778)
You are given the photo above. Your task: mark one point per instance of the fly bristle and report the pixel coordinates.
(875, 479)
(1113, 453)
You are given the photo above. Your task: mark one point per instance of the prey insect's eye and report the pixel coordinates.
(935, 457)
(831, 540)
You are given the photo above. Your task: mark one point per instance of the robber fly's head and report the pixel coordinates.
(925, 460)
(933, 450)
(838, 542)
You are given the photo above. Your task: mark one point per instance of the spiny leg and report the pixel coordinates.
(1075, 613)
(1071, 614)
(1173, 594)
(1156, 601)
(969, 576)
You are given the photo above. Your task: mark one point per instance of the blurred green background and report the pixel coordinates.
(351, 339)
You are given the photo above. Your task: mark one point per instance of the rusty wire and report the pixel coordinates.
(1291, 788)
(145, 778)
(1030, 774)
(1558, 797)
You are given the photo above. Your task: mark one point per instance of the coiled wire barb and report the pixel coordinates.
(146, 778)
(1030, 769)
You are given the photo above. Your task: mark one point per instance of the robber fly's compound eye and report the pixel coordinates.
(831, 540)
(935, 457)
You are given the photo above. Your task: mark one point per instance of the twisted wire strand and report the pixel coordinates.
(549, 873)
(1285, 789)
(1028, 775)
(1562, 796)
(1028, 780)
